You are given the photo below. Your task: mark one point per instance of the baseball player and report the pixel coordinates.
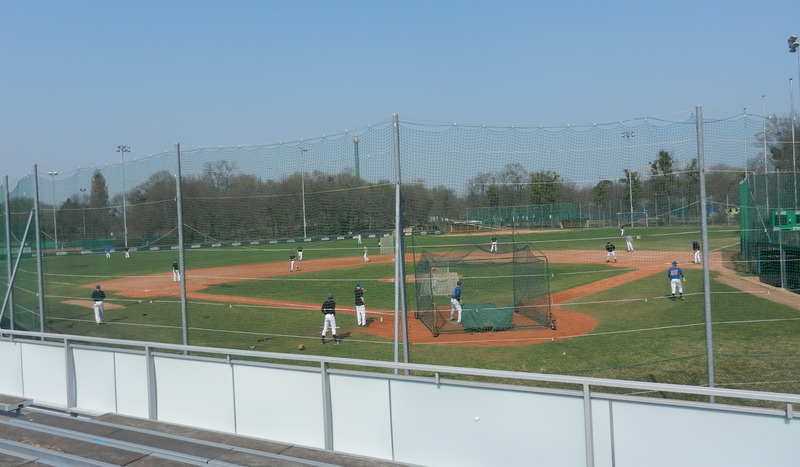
(299, 253)
(455, 302)
(291, 262)
(176, 271)
(610, 253)
(127, 252)
(494, 245)
(108, 252)
(629, 242)
(329, 311)
(361, 306)
(695, 252)
(366, 254)
(98, 297)
(675, 275)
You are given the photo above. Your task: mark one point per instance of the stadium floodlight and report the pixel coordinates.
(83, 205)
(122, 149)
(793, 45)
(303, 151)
(55, 221)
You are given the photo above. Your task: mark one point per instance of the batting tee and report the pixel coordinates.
(501, 290)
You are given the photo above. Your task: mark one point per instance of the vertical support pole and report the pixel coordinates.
(794, 149)
(355, 154)
(8, 254)
(69, 363)
(588, 428)
(327, 406)
(704, 238)
(181, 256)
(766, 167)
(400, 264)
(7, 298)
(38, 234)
(152, 393)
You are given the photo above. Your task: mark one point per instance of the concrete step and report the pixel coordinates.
(118, 440)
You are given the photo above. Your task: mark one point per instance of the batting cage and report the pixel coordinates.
(503, 284)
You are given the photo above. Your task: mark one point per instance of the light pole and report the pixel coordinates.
(793, 45)
(55, 221)
(628, 135)
(303, 152)
(122, 149)
(355, 153)
(630, 194)
(83, 210)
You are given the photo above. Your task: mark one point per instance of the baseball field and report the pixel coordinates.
(614, 319)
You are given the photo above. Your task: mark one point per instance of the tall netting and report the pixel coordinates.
(270, 230)
(21, 294)
(770, 239)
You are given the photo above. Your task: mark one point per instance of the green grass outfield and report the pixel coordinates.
(640, 335)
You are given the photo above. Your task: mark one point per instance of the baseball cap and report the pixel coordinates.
(97, 287)
(358, 284)
(330, 295)
(458, 282)
(674, 263)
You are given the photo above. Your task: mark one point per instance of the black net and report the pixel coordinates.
(498, 278)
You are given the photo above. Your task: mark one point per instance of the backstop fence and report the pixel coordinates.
(331, 203)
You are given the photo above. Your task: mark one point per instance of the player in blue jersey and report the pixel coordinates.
(676, 278)
(455, 302)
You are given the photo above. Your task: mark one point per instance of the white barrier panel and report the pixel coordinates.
(362, 415)
(131, 384)
(280, 404)
(447, 425)
(195, 393)
(11, 356)
(419, 420)
(95, 387)
(44, 373)
(661, 436)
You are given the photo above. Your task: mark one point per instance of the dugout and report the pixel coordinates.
(501, 290)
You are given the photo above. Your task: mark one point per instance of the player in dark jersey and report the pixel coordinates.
(361, 305)
(610, 253)
(695, 252)
(329, 311)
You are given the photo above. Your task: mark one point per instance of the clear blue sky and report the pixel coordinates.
(80, 77)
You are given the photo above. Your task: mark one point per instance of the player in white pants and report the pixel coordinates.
(455, 301)
(455, 305)
(361, 305)
(329, 310)
(695, 252)
(675, 275)
(98, 296)
(176, 271)
(366, 255)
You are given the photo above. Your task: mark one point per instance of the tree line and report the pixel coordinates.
(221, 204)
